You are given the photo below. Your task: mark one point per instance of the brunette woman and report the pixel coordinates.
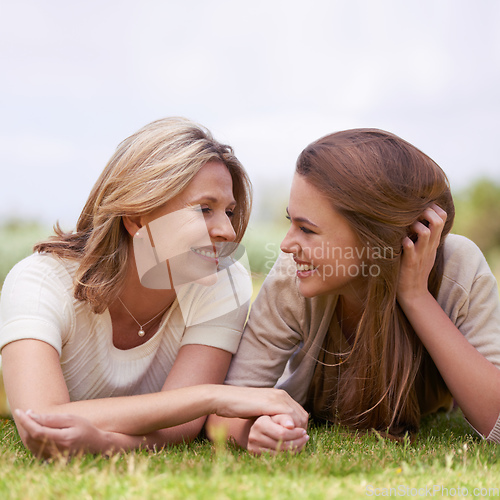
(374, 315)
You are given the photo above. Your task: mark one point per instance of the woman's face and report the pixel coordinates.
(211, 191)
(188, 232)
(328, 255)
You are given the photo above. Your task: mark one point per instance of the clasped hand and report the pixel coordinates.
(60, 434)
(273, 434)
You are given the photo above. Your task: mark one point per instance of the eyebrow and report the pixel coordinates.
(212, 199)
(302, 220)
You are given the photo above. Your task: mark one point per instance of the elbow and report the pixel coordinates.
(493, 435)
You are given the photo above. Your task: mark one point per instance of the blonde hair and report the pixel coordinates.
(381, 184)
(147, 169)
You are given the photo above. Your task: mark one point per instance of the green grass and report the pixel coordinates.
(335, 464)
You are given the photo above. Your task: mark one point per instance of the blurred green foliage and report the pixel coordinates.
(262, 244)
(478, 218)
(17, 238)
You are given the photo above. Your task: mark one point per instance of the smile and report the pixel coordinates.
(305, 267)
(206, 253)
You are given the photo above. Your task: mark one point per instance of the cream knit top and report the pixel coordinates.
(37, 302)
(285, 332)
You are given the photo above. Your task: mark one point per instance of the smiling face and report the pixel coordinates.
(188, 232)
(328, 254)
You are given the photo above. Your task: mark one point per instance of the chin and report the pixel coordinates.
(308, 292)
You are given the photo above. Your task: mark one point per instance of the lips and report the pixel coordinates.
(219, 250)
(304, 268)
(208, 252)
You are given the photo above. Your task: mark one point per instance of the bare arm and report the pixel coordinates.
(34, 380)
(473, 381)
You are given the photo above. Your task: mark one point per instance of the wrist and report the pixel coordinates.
(418, 307)
(414, 300)
(210, 399)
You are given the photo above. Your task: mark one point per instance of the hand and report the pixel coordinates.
(418, 257)
(60, 434)
(275, 434)
(248, 402)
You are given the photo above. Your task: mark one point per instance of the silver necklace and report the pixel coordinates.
(141, 331)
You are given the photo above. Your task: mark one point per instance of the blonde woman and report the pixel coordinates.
(374, 315)
(105, 349)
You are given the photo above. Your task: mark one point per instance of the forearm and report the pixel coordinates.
(47, 435)
(151, 412)
(237, 429)
(184, 433)
(473, 381)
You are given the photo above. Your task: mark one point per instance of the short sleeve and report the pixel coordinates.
(215, 314)
(469, 295)
(35, 302)
(273, 331)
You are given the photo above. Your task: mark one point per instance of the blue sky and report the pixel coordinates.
(267, 77)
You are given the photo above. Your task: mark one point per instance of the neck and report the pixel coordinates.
(142, 302)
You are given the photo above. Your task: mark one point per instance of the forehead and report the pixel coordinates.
(305, 196)
(211, 171)
(212, 181)
(308, 202)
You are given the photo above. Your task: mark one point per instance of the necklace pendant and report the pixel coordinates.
(141, 333)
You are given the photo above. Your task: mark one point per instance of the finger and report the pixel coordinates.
(436, 225)
(299, 416)
(283, 420)
(442, 213)
(408, 243)
(267, 427)
(38, 431)
(435, 215)
(295, 445)
(55, 420)
(26, 422)
(421, 230)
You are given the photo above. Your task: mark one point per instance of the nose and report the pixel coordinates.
(289, 245)
(221, 229)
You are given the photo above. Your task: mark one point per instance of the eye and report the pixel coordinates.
(305, 230)
(206, 210)
(230, 213)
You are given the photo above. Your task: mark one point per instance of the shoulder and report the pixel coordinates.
(458, 246)
(41, 268)
(469, 288)
(463, 260)
(37, 301)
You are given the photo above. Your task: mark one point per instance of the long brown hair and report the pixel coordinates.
(381, 184)
(148, 168)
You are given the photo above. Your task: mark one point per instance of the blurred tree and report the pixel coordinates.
(478, 216)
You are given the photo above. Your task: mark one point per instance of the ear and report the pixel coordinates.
(132, 224)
